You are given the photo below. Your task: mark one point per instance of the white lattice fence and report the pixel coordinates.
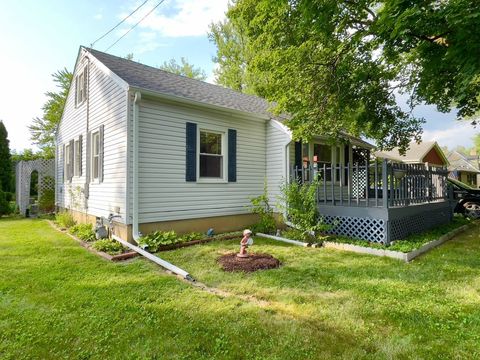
(23, 173)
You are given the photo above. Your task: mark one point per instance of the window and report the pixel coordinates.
(67, 163)
(81, 87)
(96, 156)
(77, 168)
(211, 155)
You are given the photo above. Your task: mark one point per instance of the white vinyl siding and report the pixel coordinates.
(163, 192)
(107, 104)
(275, 163)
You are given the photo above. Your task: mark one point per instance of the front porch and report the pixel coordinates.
(378, 201)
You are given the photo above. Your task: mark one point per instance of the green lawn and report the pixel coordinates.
(57, 300)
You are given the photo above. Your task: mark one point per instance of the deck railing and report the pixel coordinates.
(363, 184)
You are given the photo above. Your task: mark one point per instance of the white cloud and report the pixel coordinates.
(181, 18)
(99, 14)
(459, 133)
(147, 42)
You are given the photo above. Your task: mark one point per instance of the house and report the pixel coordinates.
(161, 151)
(464, 168)
(426, 152)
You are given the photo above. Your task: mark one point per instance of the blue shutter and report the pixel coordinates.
(298, 154)
(232, 155)
(191, 152)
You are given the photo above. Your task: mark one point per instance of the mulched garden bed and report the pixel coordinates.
(230, 262)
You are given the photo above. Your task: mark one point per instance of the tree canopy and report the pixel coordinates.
(184, 69)
(43, 129)
(336, 65)
(5, 160)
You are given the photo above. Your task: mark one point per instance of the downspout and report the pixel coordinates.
(135, 231)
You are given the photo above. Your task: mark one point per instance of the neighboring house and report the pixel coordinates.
(426, 152)
(464, 168)
(162, 151)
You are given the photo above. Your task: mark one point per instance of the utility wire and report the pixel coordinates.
(134, 26)
(120, 23)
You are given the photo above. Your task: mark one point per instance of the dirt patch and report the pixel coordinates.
(230, 262)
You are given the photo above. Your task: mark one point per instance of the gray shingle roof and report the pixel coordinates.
(152, 79)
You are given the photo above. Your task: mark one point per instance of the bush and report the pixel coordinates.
(300, 203)
(64, 219)
(83, 231)
(261, 206)
(5, 208)
(191, 236)
(108, 246)
(46, 202)
(157, 239)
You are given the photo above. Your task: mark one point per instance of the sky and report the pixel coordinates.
(41, 37)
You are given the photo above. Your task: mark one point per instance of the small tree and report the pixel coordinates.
(43, 129)
(184, 69)
(300, 204)
(6, 172)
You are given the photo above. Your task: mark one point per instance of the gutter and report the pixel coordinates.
(135, 228)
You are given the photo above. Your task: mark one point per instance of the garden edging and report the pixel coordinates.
(86, 245)
(407, 257)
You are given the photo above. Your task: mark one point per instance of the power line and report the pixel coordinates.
(120, 23)
(134, 26)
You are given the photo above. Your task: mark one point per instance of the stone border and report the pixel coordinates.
(88, 246)
(407, 257)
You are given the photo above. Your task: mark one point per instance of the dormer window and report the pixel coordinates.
(81, 87)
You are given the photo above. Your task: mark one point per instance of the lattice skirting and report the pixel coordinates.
(369, 229)
(403, 227)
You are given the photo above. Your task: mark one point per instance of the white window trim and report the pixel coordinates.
(94, 180)
(75, 172)
(83, 73)
(222, 132)
(66, 170)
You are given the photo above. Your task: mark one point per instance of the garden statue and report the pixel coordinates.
(245, 243)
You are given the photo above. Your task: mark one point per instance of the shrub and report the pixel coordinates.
(260, 205)
(46, 202)
(83, 231)
(5, 208)
(300, 203)
(157, 239)
(64, 219)
(111, 247)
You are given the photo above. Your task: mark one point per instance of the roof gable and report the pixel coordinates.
(144, 77)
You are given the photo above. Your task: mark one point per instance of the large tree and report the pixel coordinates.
(337, 65)
(5, 160)
(184, 69)
(43, 128)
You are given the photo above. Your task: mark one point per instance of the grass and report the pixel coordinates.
(410, 243)
(58, 300)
